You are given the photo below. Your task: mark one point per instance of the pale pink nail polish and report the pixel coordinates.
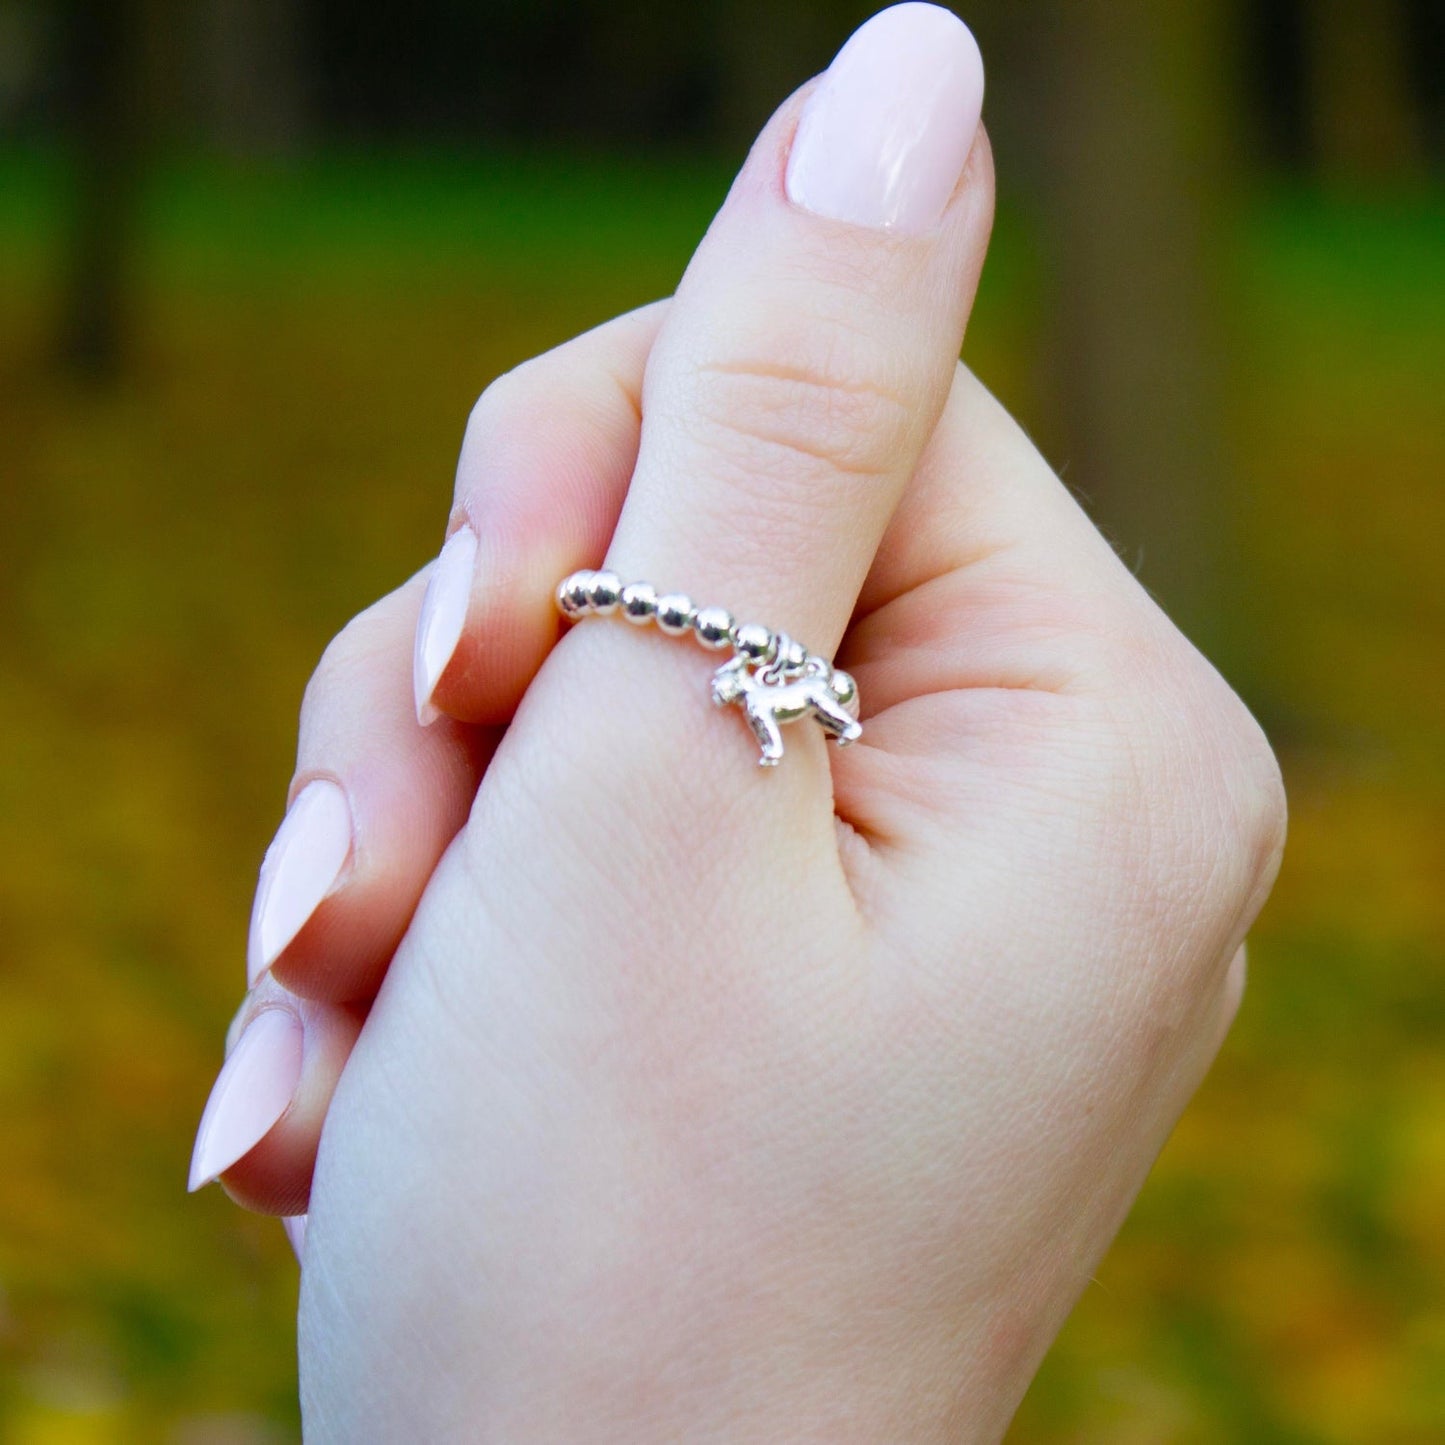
(295, 1227)
(253, 1090)
(883, 139)
(443, 615)
(300, 868)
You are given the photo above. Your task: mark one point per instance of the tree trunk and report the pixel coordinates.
(250, 55)
(1363, 125)
(100, 41)
(1136, 140)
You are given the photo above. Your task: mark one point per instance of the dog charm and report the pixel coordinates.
(772, 695)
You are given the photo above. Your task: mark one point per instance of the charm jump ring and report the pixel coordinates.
(771, 676)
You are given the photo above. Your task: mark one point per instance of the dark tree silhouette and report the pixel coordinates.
(1364, 121)
(250, 55)
(1137, 137)
(101, 54)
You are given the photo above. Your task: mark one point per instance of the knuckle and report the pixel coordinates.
(1237, 793)
(1209, 800)
(321, 685)
(505, 401)
(1255, 786)
(491, 403)
(350, 655)
(1236, 985)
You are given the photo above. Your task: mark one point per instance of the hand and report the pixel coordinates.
(701, 1101)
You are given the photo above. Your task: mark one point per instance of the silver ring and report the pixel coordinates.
(772, 677)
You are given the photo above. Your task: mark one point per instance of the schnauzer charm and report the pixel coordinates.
(770, 698)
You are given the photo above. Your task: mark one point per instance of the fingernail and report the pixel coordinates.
(443, 615)
(252, 1091)
(295, 1227)
(300, 868)
(883, 139)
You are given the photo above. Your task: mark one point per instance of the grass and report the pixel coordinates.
(179, 547)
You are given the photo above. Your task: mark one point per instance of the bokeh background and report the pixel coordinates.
(256, 260)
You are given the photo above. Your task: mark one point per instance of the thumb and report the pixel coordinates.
(790, 391)
(811, 344)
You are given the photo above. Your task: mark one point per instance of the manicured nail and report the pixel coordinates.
(300, 868)
(295, 1227)
(254, 1088)
(883, 139)
(443, 615)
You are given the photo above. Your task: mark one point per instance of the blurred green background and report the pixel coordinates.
(256, 260)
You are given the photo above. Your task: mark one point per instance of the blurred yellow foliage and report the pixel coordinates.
(179, 547)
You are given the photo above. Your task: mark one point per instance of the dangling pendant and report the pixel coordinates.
(792, 685)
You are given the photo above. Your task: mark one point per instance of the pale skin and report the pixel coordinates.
(710, 1102)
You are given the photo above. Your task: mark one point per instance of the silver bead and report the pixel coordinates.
(639, 602)
(572, 594)
(844, 688)
(791, 653)
(713, 626)
(753, 641)
(603, 591)
(675, 613)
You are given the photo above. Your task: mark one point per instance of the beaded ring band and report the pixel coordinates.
(775, 679)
